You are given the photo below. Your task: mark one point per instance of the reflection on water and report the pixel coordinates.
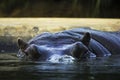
(105, 68)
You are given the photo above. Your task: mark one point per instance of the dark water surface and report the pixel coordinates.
(105, 68)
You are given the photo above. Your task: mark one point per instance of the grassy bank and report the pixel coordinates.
(28, 26)
(22, 27)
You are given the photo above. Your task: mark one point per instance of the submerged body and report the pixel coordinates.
(79, 43)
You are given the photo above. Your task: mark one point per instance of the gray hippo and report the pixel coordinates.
(80, 43)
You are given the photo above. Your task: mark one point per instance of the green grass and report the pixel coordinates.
(24, 26)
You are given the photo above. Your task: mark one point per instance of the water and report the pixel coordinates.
(103, 68)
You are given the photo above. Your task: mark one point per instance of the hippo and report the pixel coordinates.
(80, 43)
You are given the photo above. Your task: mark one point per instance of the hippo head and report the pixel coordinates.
(27, 51)
(43, 50)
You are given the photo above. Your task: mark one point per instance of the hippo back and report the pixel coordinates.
(110, 40)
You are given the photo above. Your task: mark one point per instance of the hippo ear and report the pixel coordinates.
(86, 38)
(21, 44)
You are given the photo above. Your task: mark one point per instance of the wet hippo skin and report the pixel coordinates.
(78, 42)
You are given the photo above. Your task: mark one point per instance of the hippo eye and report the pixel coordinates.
(84, 54)
(26, 53)
(21, 54)
(79, 51)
